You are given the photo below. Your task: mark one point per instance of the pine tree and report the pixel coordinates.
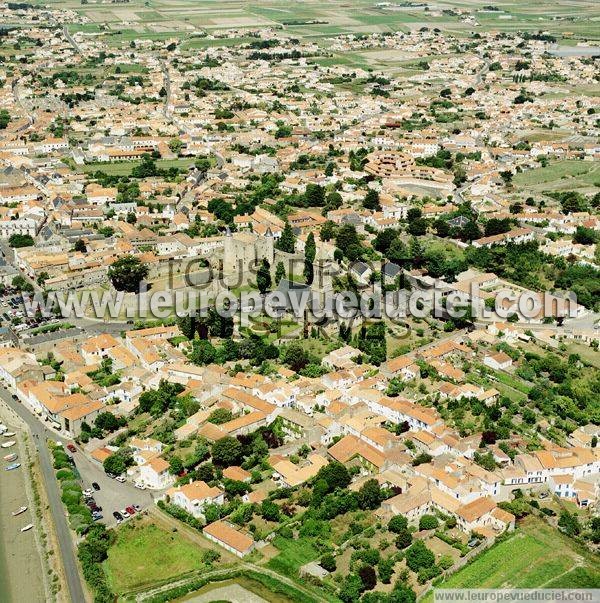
(187, 325)
(310, 252)
(371, 200)
(263, 276)
(287, 242)
(279, 272)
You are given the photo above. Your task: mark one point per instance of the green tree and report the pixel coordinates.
(418, 556)
(226, 452)
(335, 474)
(371, 200)
(114, 464)
(428, 522)
(397, 524)
(21, 283)
(175, 465)
(328, 562)
(4, 119)
(263, 276)
(80, 246)
(569, 524)
(310, 252)
(279, 273)
(127, 273)
(269, 510)
(220, 416)
(287, 241)
(203, 352)
(106, 421)
(351, 588)
(20, 240)
(369, 495)
(385, 569)
(314, 196)
(175, 145)
(296, 357)
(187, 326)
(403, 539)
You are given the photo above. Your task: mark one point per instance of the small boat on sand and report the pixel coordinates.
(27, 527)
(19, 511)
(13, 466)
(13, 456)
(8, 444)
(9, 434)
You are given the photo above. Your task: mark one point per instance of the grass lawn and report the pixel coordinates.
(587, 354)
(535, 556)
(294, 553)
(145, 553)
(565, 174)
(123, 168)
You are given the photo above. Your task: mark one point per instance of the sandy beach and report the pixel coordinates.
(21, 577)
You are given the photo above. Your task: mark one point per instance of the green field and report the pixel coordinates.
(560, 175)
(294, 553)
(147, 554)
(162, 18)
(123, 168)
(534, 556)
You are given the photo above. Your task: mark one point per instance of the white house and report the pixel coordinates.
(499, 361)
(155, 474)
(193, 497)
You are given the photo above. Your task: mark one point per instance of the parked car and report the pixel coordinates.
(137, 508)
(130, 510)
(117, 516)
(140, 486)
(96, 486)
(88, 492)
(97, 516)
(111, 475)
(71, 447)
(124, 513)
(121, 479)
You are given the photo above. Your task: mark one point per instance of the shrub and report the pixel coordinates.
(428, 522)
(328, 562)
(397, 524)
(419, 556)
(403, 539)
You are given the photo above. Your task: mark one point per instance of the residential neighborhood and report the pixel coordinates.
(298, 303)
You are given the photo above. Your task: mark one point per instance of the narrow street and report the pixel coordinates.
(63, 532)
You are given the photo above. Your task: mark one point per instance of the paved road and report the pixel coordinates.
(40, 434)
(71, 40)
